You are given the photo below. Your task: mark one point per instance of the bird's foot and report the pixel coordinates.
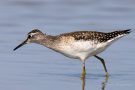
(107, 74)
(83, 74)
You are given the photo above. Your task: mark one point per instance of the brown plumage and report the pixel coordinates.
(94, 35)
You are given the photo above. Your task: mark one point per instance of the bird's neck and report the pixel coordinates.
(48, 41)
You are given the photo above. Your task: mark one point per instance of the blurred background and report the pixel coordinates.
(34, 67)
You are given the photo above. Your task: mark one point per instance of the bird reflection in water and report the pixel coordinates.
(83, 82)
(103, 83)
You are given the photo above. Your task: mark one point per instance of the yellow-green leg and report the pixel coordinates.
(103, 62)
(83, 71)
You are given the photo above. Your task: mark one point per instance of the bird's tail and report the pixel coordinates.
(113, 36)
(118, 33)
(121, 32)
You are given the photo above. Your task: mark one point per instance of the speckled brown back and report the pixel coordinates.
(94, 35)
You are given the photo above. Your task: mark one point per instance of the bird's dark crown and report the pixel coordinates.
(35, 31)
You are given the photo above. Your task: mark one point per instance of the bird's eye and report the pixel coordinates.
(29, 36)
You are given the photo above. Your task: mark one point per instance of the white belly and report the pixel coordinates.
(79, 50)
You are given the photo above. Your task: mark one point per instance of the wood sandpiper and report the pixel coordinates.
(78, 45)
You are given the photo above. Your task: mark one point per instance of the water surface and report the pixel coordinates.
(34, 67)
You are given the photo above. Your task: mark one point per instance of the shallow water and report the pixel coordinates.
(34, 67)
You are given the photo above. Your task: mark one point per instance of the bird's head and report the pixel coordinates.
(33, 36)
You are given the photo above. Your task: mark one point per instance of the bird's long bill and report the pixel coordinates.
(23, 43)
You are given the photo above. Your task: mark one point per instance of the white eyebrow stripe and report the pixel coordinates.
(32, 34)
